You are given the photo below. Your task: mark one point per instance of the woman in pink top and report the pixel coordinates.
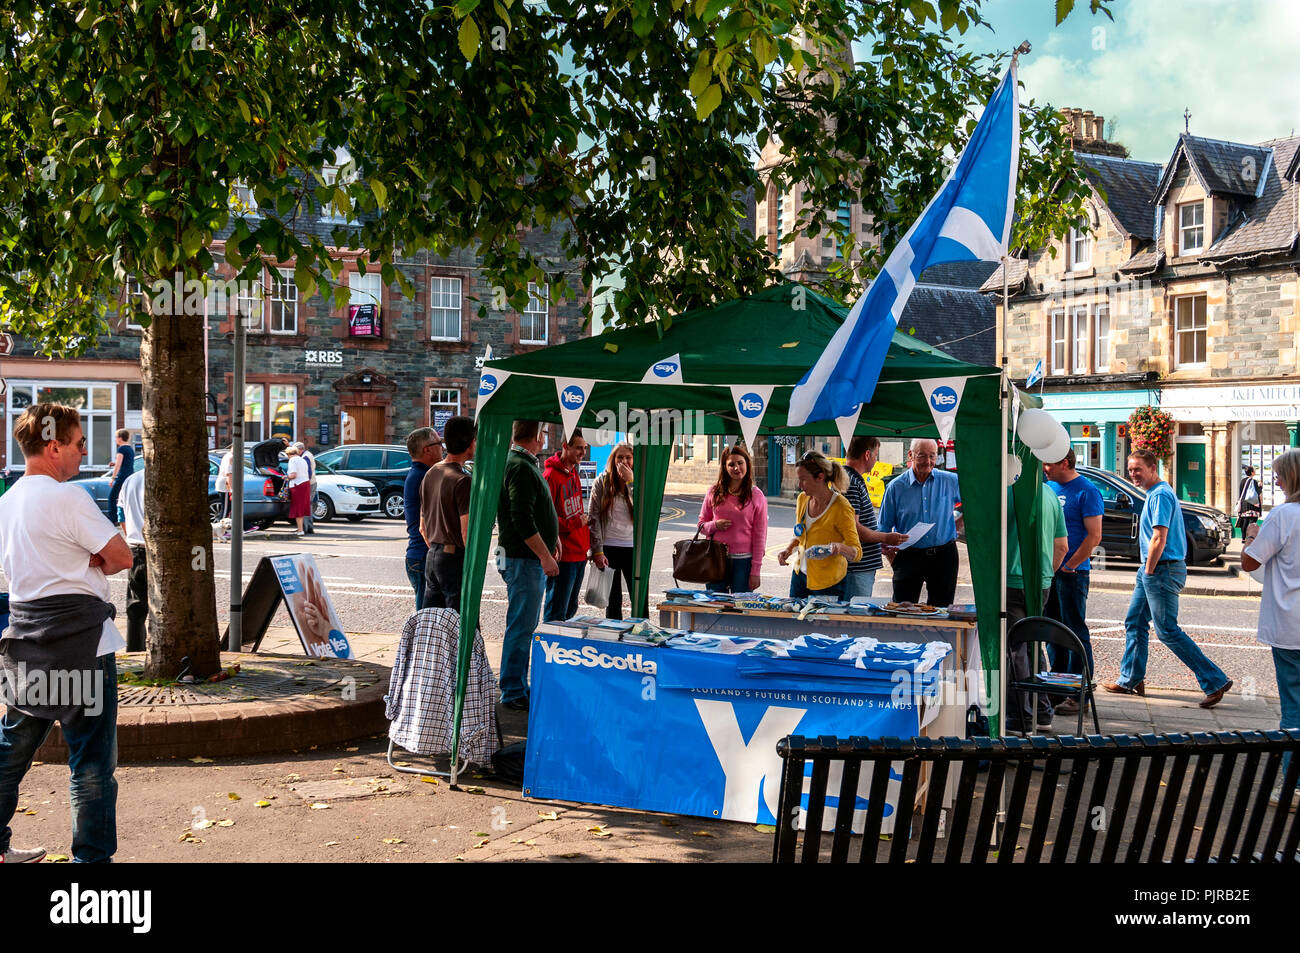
(735, 513)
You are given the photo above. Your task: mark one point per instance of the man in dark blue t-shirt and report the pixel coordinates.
(123, 467)
(425, 447)
(1068, 598)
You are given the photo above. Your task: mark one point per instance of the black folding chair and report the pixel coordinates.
(1040, 630)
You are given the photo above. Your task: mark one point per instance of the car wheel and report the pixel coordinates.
(323, 511)
(216, 505)
(394, 506)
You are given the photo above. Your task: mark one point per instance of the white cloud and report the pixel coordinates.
(1234, 65)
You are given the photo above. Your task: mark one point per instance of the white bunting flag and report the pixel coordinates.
(847, 425)
(489, 381)
(572, 393)
(667, 371)
(943, 394)
(750, 403)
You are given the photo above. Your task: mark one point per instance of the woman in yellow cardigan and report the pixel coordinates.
(825, 529)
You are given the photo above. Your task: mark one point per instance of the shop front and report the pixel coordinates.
(1098, 423)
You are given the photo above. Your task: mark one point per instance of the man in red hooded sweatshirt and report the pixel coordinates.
(562, 477)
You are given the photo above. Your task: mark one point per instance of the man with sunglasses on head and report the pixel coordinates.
(57, 656)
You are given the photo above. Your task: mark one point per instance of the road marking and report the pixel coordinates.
(1213, 645)
(1186, 625)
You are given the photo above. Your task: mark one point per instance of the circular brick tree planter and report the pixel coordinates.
(276, 703)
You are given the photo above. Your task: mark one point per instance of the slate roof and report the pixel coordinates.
(1224, 168)
(959, 322)
(1268, 223)
(1128, 185)
(1144, 261)
(959, 274)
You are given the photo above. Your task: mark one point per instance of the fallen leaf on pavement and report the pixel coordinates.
(29, 813)
(702, 834)
(548, 815)
(318, 806)
(599, 831)
(765, 828)
(530, 843)
(570, 856)
(482, 834)
(401, 764)
(262, 803)
(429, 780)
(293, 777)
(393, 840)
(351, 749)
(203, 825)
(200, 761)
(666, 822)
(474, 789)
(56, 858)
(338, 769)
(330, 843)
(480, 844)
(225, 822)
(233, 796)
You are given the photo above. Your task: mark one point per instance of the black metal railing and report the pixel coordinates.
(1152, 798)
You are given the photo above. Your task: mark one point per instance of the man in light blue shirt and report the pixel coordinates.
(923, 494)
(1160, 578)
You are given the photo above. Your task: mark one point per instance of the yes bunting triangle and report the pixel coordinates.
(489, 382)
(750, 403)
(943, 394)
(846, 426)
(572, 393)
(667, 371)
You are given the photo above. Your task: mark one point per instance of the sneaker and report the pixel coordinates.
(18, 856)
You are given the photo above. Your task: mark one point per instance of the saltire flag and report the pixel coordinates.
(1037, 375)
(969, 219)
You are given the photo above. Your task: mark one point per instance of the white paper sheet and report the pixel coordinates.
(915, 533)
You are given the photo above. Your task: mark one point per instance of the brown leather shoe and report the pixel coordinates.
(1115, 688)
(1214, 698)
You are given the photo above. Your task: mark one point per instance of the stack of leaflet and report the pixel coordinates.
(1063, 679)
(607, 630)
(645, 632)
(871, 665)
(574, 628)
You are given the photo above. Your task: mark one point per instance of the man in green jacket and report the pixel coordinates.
(528, 532)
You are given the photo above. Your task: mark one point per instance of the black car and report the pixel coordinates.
(1208, 530)
(384, 465)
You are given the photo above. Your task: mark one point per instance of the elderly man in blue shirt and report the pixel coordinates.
(923, 495)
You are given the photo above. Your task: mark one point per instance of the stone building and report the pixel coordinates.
(308, 368)
(1180, 293)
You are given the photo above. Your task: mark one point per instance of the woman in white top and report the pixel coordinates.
(609, 516)
(299, 477)
(1275, 545)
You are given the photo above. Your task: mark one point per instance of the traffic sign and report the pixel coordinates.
(6, 343)
(4, 386)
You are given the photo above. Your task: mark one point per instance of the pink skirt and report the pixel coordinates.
(299, 500)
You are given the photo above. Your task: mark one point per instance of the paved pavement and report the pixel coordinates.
(346, 804)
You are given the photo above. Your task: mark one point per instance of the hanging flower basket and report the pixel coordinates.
(1152, 429)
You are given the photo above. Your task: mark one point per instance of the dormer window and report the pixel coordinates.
(1080, 250)
(1191, 227)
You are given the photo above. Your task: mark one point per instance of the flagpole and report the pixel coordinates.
(1002, 497)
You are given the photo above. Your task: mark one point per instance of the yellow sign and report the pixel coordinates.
(876, 482)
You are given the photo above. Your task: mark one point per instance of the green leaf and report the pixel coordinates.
(469, 38)
(85, 18)
(1063, 8)
(713, 8)
(709, 101)
(701, 76)
(381, 192)
(243, 109)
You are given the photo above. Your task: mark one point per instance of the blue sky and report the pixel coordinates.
(1234, 63)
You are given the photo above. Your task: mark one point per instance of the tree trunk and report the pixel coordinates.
(178, 536)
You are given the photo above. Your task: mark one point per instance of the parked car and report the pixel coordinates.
(261, 507)
(1208, 530)
(385, 466)
(345, 496)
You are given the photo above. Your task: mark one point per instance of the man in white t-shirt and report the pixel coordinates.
(57, 550)
(137, 580)
(309, 522)
(224, 471)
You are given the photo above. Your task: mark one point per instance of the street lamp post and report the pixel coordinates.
(236, 637)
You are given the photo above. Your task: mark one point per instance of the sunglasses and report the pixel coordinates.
(81, 444)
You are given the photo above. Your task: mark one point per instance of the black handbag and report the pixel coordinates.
(699, 560)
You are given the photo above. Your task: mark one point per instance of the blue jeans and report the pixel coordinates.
(415, 573)
(562, 591)
(1155, 599)
(799, 588)
(1068, 604)
(525, 583)
(1287, 663)
(859, 584)
(92, 758)
(737, 576)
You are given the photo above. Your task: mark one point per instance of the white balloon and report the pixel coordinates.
(1037, 428)
(1054, 452)
(1014, 468)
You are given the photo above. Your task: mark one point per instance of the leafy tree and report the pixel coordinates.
(631, 125)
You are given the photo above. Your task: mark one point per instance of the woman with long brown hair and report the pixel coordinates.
(735, 513)
(609, 517)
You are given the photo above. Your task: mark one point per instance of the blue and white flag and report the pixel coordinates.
(751, 404)
(968, 220)
(1037, 375)
(667, 371)
(572, 394)
(489, 382)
